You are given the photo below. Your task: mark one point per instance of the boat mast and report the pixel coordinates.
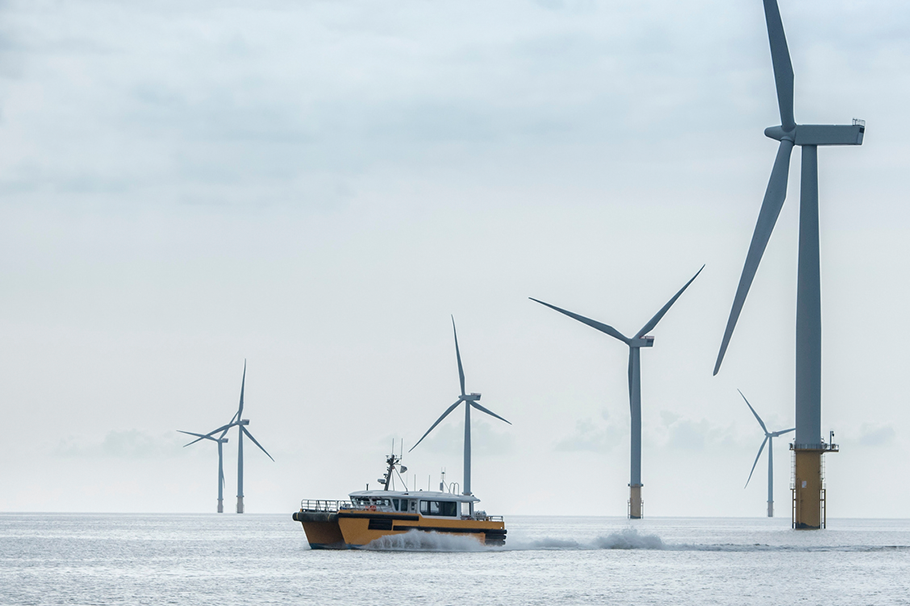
(392, 460)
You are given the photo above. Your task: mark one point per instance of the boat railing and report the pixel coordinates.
(483, 517)
(323, 505)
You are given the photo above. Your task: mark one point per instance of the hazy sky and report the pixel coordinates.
(317, 186)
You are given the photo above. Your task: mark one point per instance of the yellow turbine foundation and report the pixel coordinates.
(635, 502)
(808, 489)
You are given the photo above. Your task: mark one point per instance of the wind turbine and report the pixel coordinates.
(769, 440)
(240, 423)
(219, 440)
(635, 344)
(808, 445)
(470, 400)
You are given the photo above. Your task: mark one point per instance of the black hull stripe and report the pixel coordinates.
(450, 529)
(373, 516)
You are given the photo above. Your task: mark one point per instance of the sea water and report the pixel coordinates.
(264, 559)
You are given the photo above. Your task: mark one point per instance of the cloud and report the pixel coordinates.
(876, 434)
(683, 433)
(122, 444)
(593, 435)
(292, 103)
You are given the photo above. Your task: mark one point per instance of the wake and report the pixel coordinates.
(627, 539)
(415, 540)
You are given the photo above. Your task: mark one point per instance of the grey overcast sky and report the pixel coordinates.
(317, 186)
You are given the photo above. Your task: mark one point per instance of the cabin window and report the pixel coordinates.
(439, 508)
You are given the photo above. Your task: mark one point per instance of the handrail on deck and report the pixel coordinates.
(325, 505)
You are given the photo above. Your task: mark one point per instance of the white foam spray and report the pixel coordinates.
(627, 538)
(415, 540)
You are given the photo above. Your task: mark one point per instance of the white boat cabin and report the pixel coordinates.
(424, 502)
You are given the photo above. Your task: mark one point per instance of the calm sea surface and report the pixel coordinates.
(264, 559)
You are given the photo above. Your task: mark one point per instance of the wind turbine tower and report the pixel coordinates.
(470, 400)
(220, 440)
(241, 424)
(808, 446)
(769, 440)
(635, 343)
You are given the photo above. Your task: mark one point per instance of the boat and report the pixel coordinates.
(372, 514)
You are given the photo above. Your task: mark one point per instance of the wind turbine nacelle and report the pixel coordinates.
(244, 422)
(473, 397)
(645, 341)
(820, 134)
(830, 134)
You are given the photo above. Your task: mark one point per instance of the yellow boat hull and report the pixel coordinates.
(350, 529)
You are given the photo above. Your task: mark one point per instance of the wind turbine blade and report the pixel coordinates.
(775, 195)
(198, 435)
(780, 60)
(663, 310)
(458, 355)
(190, 433)
(250, 436)
(592, 323)
(780, 433)
(757, 418)
(210, 434)
(444, 415)
(756, 460)
(242, 386)
(222, 428)
(489, 412)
